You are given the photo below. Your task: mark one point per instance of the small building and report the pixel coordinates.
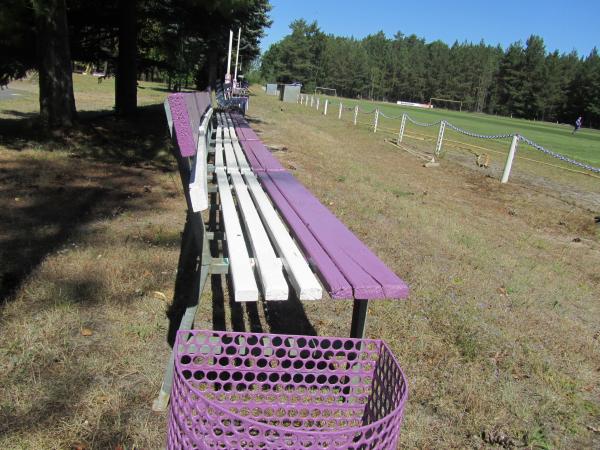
(271, 89)
(289, 92)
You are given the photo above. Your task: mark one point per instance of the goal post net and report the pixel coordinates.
(326, 91)
(445, 103)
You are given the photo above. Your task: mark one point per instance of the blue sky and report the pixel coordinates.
(564, 25)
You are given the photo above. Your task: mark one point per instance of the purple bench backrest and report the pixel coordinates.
(187, 110)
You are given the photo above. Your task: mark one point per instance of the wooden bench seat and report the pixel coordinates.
(345, 265)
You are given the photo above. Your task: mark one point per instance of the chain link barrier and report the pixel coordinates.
(422, 124)
(559, 156)
(480, 136)
(392, 117)
(486, 136)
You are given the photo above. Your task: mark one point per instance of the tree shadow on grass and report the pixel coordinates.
(46, 199)
(157, 89)
(19, 114)
(75, 381)
(140, 141)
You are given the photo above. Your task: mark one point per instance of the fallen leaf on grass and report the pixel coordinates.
(86, 332)
(159, 295)
(502, 290)
(78, 446)
(594, 429)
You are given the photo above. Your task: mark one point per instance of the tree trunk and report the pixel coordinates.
(212, 68)
(57, 102)
(126, 79)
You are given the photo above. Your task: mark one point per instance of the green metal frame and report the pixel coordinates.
(195, 241)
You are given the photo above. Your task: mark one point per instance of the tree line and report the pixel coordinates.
(525, 80)
(180, 41)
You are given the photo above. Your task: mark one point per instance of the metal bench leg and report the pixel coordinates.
(359, 318)
(162, 401)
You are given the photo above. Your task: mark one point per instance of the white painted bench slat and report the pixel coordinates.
(230, 157)
(198, 177)
(305, 283)
(219, 162)
(241, 158)
(244, 283)
(268, 266)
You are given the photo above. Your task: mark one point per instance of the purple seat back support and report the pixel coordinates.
(187, 110)
(203, 101)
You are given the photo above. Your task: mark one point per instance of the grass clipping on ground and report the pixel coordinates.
(499, 338)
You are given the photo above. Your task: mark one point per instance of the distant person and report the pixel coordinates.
(577, 124)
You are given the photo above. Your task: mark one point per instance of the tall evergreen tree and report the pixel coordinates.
(523, 81)
(534, 76)
(510, 82)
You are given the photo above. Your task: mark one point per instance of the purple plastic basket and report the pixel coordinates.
(265, 391)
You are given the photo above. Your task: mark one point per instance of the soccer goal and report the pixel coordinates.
(445, 103)
(326, 91)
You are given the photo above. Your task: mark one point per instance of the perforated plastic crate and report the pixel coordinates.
(264, 391)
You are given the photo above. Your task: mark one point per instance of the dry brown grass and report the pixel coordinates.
(500, 334)
(499, 338)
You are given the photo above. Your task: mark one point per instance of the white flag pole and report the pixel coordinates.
(237, 54)
(228, 73)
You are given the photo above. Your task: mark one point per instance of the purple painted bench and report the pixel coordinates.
(346, 266)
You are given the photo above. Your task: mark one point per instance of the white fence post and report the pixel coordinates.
(376, 120)
(509, 158)
(312, 99)
(340, 111)
(325, 107)
(318, 100)
(402, 125)
(438, 145)
(355, 114)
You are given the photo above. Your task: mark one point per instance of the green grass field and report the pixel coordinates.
(583, 146)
